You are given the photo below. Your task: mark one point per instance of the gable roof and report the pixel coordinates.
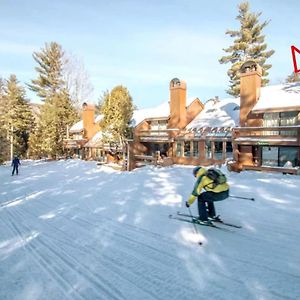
(160, 111)
(78, 127)
(221, 113)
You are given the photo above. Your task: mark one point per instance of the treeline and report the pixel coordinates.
(62, 85)
(21, 132)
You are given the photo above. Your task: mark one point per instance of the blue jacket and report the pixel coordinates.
(15, 162)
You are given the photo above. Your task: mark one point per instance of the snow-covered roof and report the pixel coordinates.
(160, 111)
(79, 125)
(221, 113)
(95, 141)
(279, 96)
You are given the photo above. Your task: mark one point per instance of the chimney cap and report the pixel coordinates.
(250, 66)
(86, 106)
(176, 82)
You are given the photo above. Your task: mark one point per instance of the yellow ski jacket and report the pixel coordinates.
(203, 182)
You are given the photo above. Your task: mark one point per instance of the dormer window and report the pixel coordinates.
(158, 125)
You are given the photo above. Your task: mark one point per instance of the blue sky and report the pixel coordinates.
(142, 44)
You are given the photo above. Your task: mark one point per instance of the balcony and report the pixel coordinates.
(162, 135)
(74, 143)
(279, 135)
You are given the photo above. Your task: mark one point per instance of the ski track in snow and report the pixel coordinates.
(56, 245)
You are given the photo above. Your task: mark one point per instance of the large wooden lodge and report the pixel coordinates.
(259, 131)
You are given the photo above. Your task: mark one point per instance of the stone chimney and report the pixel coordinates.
(88, 118)
(250, 76)
(178, 114)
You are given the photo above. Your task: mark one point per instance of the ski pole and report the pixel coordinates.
(245, 198)
(196, 231)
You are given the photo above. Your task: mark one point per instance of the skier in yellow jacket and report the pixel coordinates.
(207, 193)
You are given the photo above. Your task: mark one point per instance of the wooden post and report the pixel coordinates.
(12, 143)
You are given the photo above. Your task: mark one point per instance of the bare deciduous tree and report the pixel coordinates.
(77, 80)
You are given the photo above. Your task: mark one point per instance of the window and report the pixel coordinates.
(218, 151)
(280, 119)
(195, 149)
(158, 125)
(178, 149)
(77, 136)
(278, 156)
(288, 118)
(208, 149)
(187, 149)
(270, 156)
(229, 150)
(288, 154)
(271, 120)
(154, 125)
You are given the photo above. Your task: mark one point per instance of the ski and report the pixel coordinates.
(194, 221)
(216, 221)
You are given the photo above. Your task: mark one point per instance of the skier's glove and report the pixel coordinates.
(187, 204)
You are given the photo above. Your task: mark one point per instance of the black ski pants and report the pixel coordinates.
(15, 168)
(206, 205)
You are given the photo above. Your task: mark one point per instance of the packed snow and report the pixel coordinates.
(75, 230)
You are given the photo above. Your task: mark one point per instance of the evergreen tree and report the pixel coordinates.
(57, 112)
(117, 108)
(294, 77)
(50, 68)
(248, 45)
(17, 116)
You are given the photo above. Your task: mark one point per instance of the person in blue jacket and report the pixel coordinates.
(15, 164)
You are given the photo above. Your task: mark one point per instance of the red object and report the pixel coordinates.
(294, 50)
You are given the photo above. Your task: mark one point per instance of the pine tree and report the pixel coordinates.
(294, 77)
(57, 112)
(117, 108)
(50, 71)
(17, 115)
(248, 45)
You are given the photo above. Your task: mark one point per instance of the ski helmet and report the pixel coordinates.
(195, 170)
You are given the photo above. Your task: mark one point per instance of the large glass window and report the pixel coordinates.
(288, 154)
(178, 149)
(187, 149)
(218, 151)
(195, 149)
(208, 149)
(288, 118)
(279, 156)
(270, 156)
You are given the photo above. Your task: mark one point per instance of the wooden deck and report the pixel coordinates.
(293, 171)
